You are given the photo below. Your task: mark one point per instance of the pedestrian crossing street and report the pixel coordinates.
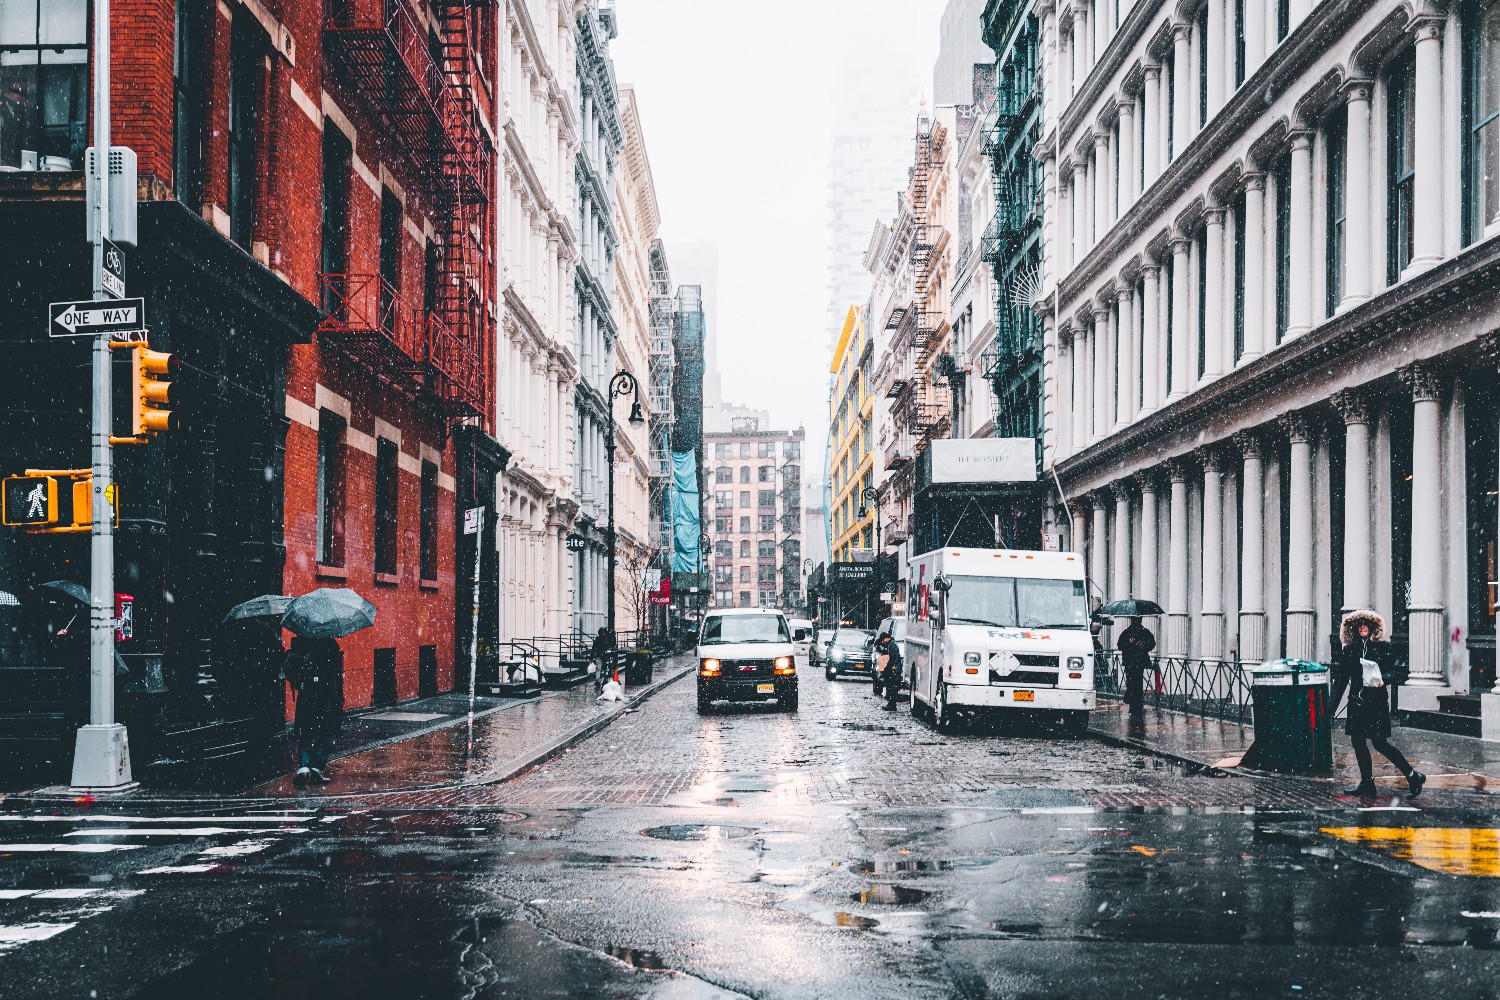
(58, 871)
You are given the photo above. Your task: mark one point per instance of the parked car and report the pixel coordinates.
(746, 654)
(818, 654)
(850, 652)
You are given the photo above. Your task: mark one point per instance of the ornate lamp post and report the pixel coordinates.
(623, 384)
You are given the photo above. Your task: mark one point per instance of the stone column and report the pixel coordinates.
(1182, 317)
(1099, 539)
(1126, 156)
(1252, 547)
(1079, 526)
(1125, 366)
(1218, 53)
(1299, 284)
(1120, 578)
(1083, 205)
(1211, 633)
(1151, 101)
(1359, 253)
(1149, 556)
(1079, 369)
(1051, 44)
(1177, 560)
(1099, 382)
(1428, 199)
(1067, 66)
(1150, 338)
(1083, 45)
(1050, 194)
(1213, 293)
(1104, 211)
(1255, 39)
(1065, 195)
(1301, 616)
(1354, 407)
(1184, 83)
(1255, 266)
(1425, 627)
(1299, 10)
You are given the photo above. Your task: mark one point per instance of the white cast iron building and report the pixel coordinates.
(1271, 306)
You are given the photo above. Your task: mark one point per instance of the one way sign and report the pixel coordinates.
(89, 319)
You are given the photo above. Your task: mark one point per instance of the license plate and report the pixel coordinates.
(765, 689)
(1023, 695)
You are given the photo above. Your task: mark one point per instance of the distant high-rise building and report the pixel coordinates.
(961, 45)
(755, 475)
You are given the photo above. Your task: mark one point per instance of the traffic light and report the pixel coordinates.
(151, 396)
(29, 501)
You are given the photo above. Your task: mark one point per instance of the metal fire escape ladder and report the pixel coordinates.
(920, 409)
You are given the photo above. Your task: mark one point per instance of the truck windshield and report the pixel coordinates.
(1008, 602)
(744, 628)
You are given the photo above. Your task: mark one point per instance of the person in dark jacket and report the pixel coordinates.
(315, 669)
(599, 653)
(1369, 719)
(1135, 645)
(890, 676)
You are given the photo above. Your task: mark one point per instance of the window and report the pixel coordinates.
(744, 473)
(1169, 85)
(1239, 42)
(187, 102)
(1168, 267)
(1283, 18)
(336, 159)
(766, 549)
(387, 470)
(766, 498)
(745, 597)
(724, 498)
(44, 83)
(1239, 276)
(744, 449)
(1402, 169)
(744, 498)
(390, 257)
(722, 451)
(745, 548)
(723, 474)
(1203, 59)
(723, 525)
(1338, 143)
(1007, 602)
(766, 472)
(427, 547)
(765, 574)
(744, 526)
(1202, 247)
(768, 522)
(330, 488)
(766, 449)
(793, 450)
(1482, 119)
(247, 49)
(1282, 174)
(744, 574)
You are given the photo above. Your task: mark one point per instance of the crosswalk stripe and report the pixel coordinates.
(65, 848)
(186, 831)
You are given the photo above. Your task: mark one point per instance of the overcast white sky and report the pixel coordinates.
(736, 102)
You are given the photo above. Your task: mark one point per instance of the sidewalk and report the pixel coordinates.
(509, 738)
(1452, 763)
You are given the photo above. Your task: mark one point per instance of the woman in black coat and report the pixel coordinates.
(315, 668)
(1369, 720)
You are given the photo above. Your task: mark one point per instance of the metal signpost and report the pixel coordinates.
(474, 525)
(101, 755)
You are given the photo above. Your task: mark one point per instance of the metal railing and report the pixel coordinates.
(1216, 689)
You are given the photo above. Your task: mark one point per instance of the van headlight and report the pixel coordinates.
(1075, 663)
(708, 667)
(785, 666)
(972, 659)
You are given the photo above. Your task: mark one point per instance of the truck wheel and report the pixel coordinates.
(942, 715)
(789, 702)
(911, 695)
(831, 674)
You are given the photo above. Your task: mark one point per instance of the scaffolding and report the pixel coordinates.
(419, 82)
(659, 395)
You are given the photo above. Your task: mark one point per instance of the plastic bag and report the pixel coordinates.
(1370, 675)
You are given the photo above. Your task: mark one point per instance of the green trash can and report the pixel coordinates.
(1290, 711)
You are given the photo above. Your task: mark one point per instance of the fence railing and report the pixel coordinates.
(1218, 689)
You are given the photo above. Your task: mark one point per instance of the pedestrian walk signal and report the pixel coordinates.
(151, 395)
(29, 501)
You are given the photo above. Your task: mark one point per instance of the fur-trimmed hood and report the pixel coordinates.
(1354, 619)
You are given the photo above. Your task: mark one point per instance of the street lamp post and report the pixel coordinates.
(870, 495)
(622, 384)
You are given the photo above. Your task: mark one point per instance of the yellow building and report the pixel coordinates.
(851, 454)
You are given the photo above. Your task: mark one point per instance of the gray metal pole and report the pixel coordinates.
(101, 756)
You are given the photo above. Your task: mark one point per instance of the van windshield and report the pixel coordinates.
(722, 629)
(1010, 602)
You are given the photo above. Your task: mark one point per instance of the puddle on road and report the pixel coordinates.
(648, 961)
(863, 727)
(864, 867)
(855, 922)
(890, 895)
(697, 831)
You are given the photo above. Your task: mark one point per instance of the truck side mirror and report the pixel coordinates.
(942, 583)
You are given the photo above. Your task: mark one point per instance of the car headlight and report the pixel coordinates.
(785, 665)
(1075, 663)
(708, 667)
(972, 659)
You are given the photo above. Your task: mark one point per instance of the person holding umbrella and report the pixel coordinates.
(315, 668)
(1135, 645)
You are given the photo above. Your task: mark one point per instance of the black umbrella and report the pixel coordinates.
(328, 613)
(264, 606)
(74, 590)
(1131, 607)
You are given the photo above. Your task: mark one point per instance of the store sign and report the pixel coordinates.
(984, 460)
(851, 572)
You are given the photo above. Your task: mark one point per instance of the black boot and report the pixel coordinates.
(1414, 781)
(1364, 789)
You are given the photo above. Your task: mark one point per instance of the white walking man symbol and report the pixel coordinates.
(36, 502)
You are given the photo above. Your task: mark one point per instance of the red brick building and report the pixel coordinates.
(317, 245)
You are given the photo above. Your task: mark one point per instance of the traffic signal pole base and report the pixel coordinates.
(101, 759)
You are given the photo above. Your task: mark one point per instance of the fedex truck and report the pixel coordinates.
(991, 630)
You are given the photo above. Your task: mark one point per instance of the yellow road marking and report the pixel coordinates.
(1452, 850)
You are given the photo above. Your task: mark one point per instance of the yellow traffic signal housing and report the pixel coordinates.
(151, 374)
(83, 505)
(28, 501)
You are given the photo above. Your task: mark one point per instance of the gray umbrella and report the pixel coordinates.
(77, 591)
(264, 606)
(1131, 607)
(328, 613)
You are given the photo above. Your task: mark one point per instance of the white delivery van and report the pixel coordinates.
(802, 630)
(996, 630)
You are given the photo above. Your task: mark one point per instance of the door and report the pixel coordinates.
(385, 676)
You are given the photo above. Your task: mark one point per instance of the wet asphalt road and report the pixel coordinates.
(841, 852)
